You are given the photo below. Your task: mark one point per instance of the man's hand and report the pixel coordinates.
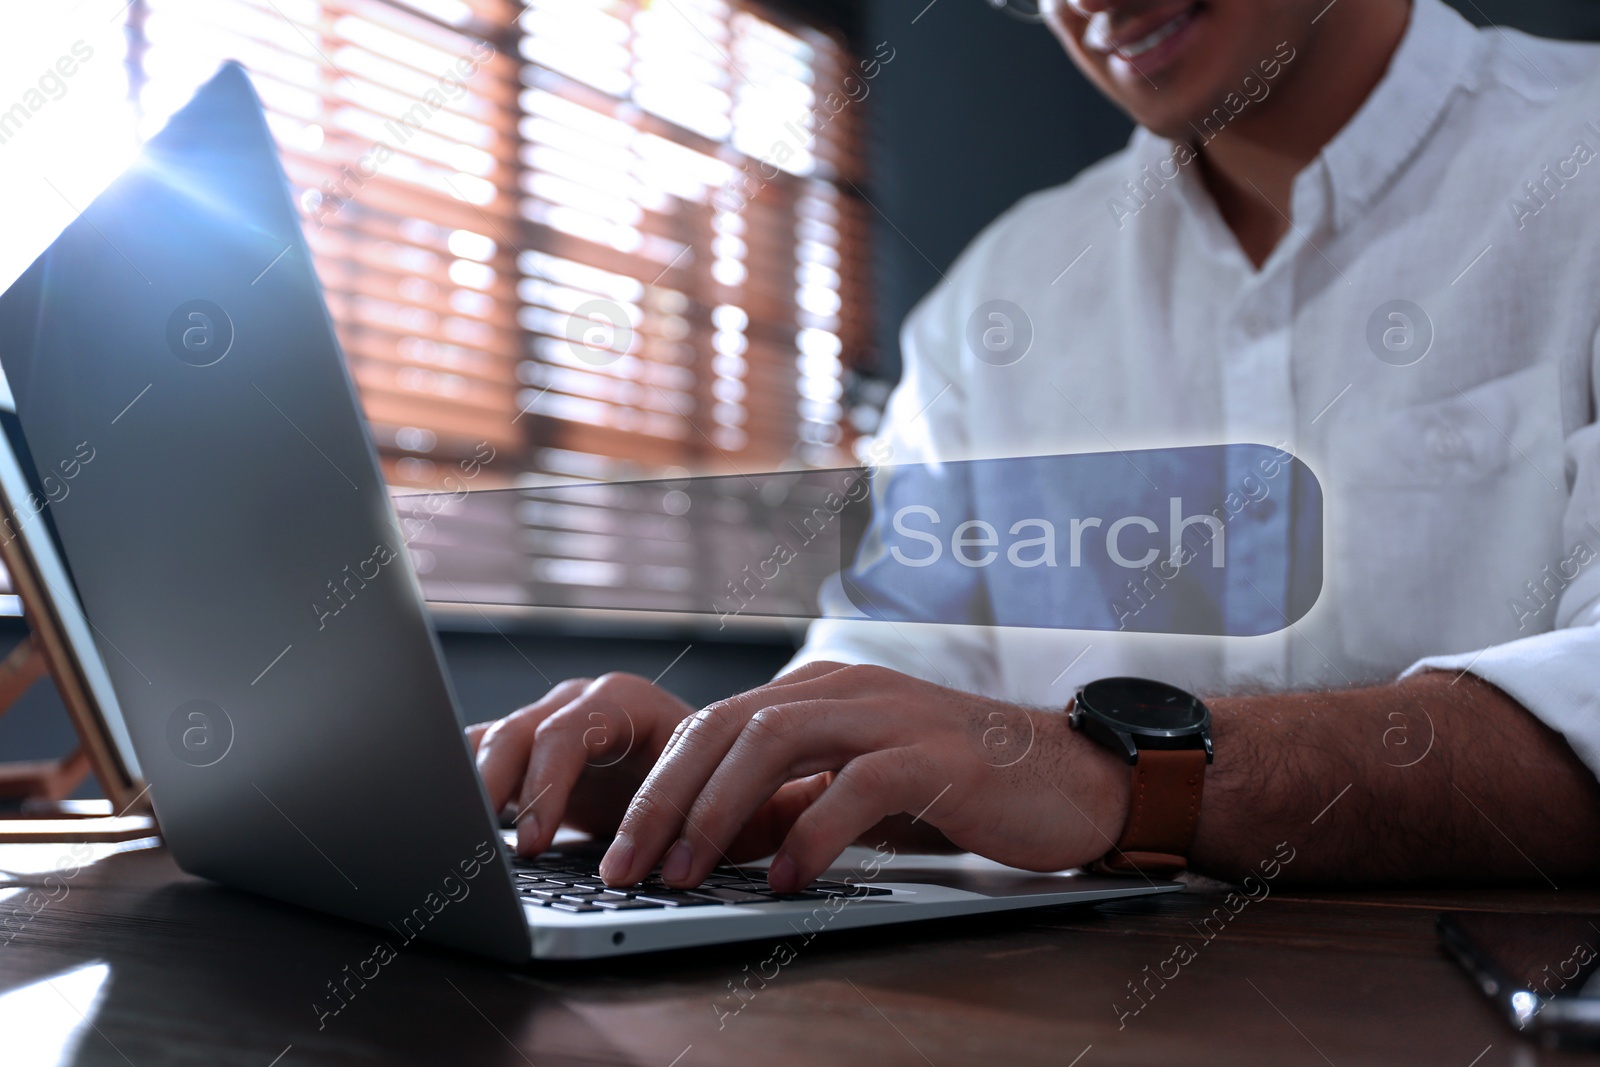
(576, 755)
(809, 762)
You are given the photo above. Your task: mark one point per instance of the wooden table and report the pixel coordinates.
(137, 963)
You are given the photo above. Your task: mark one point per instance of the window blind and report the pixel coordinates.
(568, 240)
(396, 127)
(587, 238)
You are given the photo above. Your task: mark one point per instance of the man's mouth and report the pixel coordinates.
(1138, 38)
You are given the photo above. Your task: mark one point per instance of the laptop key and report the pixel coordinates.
(731, 896)
(568, 905)
(675, 899)
(581, 895)
(743, 885)
(630, 904)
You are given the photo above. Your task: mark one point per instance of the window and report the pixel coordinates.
(598, 238)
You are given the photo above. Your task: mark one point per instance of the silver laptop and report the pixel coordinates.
(177, 329)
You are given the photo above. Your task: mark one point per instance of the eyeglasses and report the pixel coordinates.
(1021, 10)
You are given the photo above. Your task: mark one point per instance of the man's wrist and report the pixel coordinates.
(1097, 785)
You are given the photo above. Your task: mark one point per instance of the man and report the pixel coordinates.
(1233, 275)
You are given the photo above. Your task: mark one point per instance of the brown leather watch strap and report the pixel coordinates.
(1162, 814)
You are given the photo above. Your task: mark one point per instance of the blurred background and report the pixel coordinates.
(591, 240)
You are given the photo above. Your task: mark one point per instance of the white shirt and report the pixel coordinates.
(1456, 488)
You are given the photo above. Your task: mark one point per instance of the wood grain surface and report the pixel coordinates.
(129, 961)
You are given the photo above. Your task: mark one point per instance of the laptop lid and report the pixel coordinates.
(234, 548)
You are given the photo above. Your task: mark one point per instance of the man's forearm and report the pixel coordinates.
(1431, 778)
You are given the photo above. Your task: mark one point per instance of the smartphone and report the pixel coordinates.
(1541, 970)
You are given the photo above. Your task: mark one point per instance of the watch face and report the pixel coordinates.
(1143, 706)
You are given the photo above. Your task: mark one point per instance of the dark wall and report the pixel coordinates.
(495, 674)
(975, 110)
(978, 109)
(1578, 20)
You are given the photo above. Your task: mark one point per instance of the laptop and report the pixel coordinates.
(177, 328)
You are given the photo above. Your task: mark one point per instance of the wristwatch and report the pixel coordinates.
(1165, 734)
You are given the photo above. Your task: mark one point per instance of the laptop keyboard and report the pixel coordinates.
(566, 882)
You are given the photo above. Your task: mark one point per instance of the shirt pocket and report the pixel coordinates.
(1440, 511)
(1461, 439)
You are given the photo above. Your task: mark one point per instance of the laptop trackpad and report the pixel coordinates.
(963, 871)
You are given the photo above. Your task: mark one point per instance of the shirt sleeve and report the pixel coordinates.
(924, 422)
(1556, 675)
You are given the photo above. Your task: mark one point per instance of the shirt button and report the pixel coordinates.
(1254, 325)
(1446, 442)
(1264, 509)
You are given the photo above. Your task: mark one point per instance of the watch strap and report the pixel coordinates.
(1162, 813)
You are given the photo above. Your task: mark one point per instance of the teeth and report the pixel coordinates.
(1144, 44)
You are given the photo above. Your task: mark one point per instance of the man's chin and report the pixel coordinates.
(1201, 124)
(1173, 127)
(1170, 111)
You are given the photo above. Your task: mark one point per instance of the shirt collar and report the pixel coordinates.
(1434, 59)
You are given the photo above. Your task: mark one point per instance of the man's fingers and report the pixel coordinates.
(771, 823)
(502, 748)
(777, 744)
(650, 831)
(593, 729)
(807, 671)
(659, 807)
(824, 679)
(868, 788)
